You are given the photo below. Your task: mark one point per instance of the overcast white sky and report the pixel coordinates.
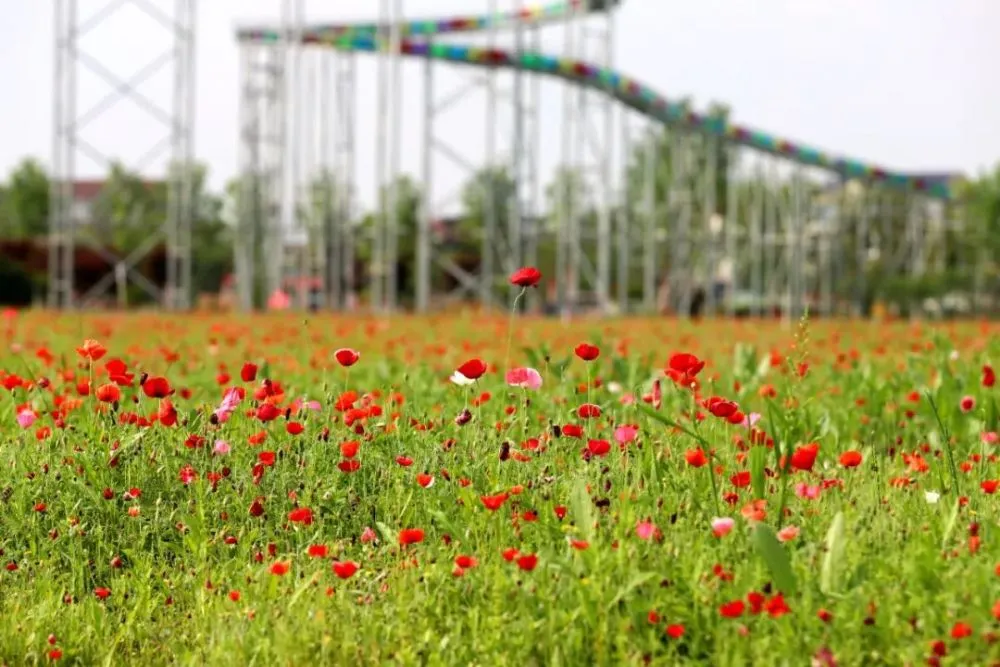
(910, 84)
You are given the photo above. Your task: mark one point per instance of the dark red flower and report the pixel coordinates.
(587, 352)
(249, 372)
(157, 387)
(721, 407)
(347, 357)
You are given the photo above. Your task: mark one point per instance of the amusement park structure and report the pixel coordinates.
(725, 214)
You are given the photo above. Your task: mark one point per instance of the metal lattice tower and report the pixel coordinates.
(269, 192)
(509, 236)
(177, 20)
(588, 143)
(686, 215)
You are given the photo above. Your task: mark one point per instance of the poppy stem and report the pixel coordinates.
(510, 328)
(711, 479)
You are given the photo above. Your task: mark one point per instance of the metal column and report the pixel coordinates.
(177, 19)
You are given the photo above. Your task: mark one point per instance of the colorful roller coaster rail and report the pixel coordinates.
(365, 37)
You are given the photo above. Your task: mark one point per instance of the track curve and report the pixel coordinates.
(533, 16)
(361, 38)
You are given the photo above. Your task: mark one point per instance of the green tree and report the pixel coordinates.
(490, 191)
(25, 209)
(409, 199)
(211, 236)
(564, 196)
(981, 197)
(979, 245)
(6, 225)
(127, 210)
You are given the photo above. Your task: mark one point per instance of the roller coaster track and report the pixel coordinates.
(415, 42)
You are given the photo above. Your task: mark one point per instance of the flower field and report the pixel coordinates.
(469, 490)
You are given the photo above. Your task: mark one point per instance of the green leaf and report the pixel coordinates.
(758, 461)
(631, 586)
(769, 548)
(582, 514)
(559, 367)
(650, 412)
(445, 522)
(834, 554)
(949, 526)
(388, 534)
(534, 359)
(620, 369)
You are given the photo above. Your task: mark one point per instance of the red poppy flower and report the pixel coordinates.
(249, 372)
(528, 276)
(494, 503)
(411, 536)
(345, 569)
(157, 387)
(347, 357)
(720, 407)
(683, 368)
(598, 447)
(302, 515)
(804, 457)
(256, 507)
(527, 562)
(587, 352)
(695, 457)
(850, 459)
(268, 412)
(91, 350)
(108, 393)
(349, 465)
(465, 562)
(118, 372)
(732, 609)
(473, 369)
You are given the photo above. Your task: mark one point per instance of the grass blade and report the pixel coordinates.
(834, 554)
(775, 557)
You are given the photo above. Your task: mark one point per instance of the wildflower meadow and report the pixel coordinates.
(497, 490)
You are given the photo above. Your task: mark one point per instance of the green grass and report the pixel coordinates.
(891, 572)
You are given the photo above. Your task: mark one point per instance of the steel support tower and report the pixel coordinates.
(74, 19)
(270, 233)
